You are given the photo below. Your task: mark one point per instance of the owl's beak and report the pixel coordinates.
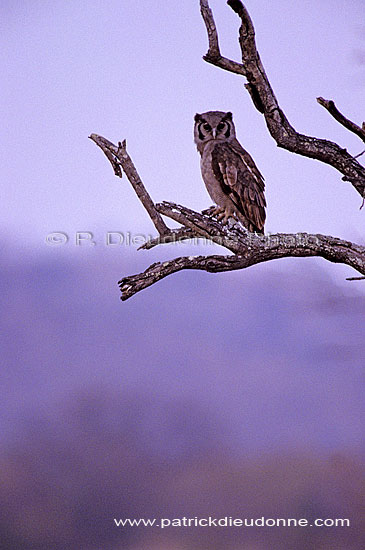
(214, 132)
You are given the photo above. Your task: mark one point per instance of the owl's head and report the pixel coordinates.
(213, 125)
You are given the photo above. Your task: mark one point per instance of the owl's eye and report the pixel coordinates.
(207, 127)
(220, 126)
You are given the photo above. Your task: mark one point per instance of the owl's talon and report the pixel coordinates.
(224, 215)
(218, 211)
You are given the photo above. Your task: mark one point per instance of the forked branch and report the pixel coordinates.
(119, 158)
(245, 249)
(251, 249)
(264, 99)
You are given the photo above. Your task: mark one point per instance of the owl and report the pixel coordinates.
(230, 175)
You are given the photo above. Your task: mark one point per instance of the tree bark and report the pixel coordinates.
(245, 248)
(264, 99)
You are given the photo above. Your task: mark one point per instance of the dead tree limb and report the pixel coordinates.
(329, 104)
(214, 264)
(245, 248)
(119, 158)
(175, 235)
(251, 249)
(264, 99)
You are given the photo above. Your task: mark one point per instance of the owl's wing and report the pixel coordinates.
(241, 180)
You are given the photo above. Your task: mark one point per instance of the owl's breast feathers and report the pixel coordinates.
(241, 181)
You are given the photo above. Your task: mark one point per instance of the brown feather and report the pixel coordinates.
(242, 182)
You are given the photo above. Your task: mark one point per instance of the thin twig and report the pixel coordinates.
(119, 156)
(108, 149)
(329, 104)
(175, 236)
(359, 155)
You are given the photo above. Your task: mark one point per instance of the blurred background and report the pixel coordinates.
(236, 394)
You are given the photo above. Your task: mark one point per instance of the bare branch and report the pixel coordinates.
(118, 156)
(198, 225)
(108, 149)
(250, 249)
(207, 15)
(329, 104)
(265, 101)
(214, 55)
(175, 235)
(135, 283)
(359, 155)
(247, 248)
(230, 236)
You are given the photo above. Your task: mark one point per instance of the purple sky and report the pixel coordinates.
(134, 69)
(268, 360)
